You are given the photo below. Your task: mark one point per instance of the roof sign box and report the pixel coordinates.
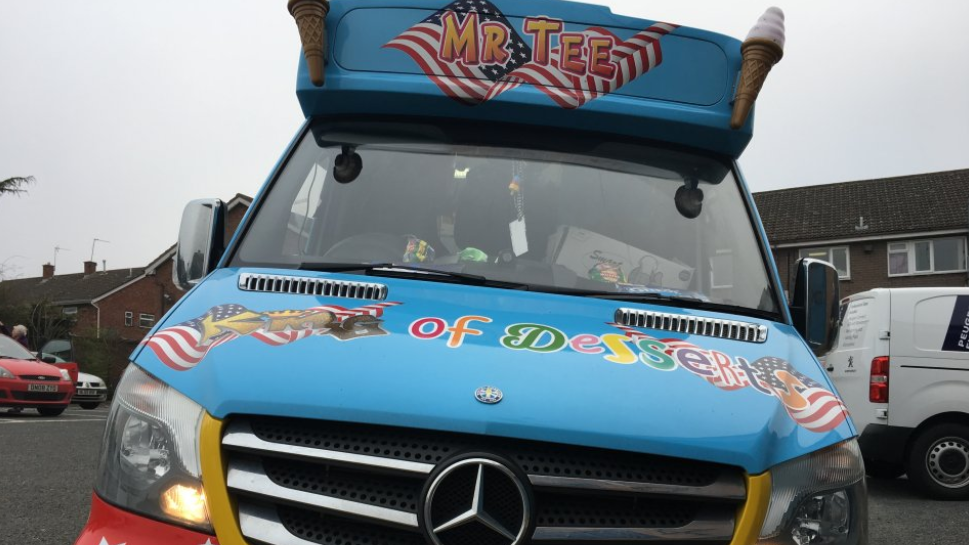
(489, 60)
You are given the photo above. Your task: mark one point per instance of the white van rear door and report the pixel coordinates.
(929, 354)
(863, 323)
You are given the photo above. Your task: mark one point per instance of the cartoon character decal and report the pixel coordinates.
(184, 345)
(473, 53)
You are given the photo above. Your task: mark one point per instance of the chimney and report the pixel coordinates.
(90, 267)
(48, 270)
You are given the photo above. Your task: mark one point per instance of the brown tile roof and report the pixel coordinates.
(905, 204)
(66, 289)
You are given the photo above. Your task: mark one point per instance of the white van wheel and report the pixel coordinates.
(939, 462)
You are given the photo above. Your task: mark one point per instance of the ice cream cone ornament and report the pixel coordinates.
(310, 16)
(762, 49)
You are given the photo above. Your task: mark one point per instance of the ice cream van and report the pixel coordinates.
(901, 363)
(506, 286)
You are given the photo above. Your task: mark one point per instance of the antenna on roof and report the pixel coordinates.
(94, 243)
(57, 250)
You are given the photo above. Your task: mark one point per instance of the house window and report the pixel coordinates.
(128, 318)
(146, 320)
(934, 256)
(70, 311)
(839, 257)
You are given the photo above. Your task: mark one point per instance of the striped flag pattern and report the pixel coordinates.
(473, 85)
(823, 410)
(182, 347)
(633, 58)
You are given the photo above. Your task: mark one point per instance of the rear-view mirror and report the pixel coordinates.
(200, 242)
(814, 306)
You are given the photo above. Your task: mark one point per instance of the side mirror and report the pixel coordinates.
(815, 305)
(200, 242)
(48, 359)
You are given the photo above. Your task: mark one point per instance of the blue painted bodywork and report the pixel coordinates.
(566, 396)
(687, 100)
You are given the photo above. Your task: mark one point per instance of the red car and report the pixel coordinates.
(29, 383)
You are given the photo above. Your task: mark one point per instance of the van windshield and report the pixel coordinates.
(546, 212)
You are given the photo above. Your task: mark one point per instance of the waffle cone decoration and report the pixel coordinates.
(310, 16)
(763, 48)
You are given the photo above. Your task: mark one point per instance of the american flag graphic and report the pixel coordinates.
(473, 85)
(183, 346)
(822, 411)
(469, 85)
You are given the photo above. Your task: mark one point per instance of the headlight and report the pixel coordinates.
(6, 374)
(65, 375)
(150, 455)
(818, 499)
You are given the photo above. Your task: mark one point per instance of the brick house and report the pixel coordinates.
(123, 302)
(908, 231)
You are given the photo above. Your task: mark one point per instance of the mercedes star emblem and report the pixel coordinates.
(488, 395)
(476, 500)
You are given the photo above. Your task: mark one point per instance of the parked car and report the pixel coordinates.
(901, 366)
(29, 383)
(91, 390)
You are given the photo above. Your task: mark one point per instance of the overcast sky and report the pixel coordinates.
(124, 110)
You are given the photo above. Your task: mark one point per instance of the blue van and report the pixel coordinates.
(506, 286)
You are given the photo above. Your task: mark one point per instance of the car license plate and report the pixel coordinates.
(41, 387)
(87, 392)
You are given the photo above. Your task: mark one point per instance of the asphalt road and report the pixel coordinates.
(47, 468)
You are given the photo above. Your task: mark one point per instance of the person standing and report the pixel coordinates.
(20, 335)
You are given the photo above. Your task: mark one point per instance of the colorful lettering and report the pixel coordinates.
(695, 362)
(586, 344)
(534, 337)
(461, 329)
(495, 49)
(571, 57)
(730, 378)
(791, 393)
(543, 29)
(754, 380)
(419, 330)
(600, 58)
(459, 41)
(654, 355)
(618, 345)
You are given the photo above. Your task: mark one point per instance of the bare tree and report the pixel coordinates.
(15, 185)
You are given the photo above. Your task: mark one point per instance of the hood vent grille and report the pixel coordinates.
(301, 285)
(693, 325)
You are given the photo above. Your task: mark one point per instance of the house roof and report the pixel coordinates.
(66, 289)
(919, 203)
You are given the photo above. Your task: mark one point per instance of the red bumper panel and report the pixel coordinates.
(109, 525)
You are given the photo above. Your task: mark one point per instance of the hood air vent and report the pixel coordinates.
(301, 285)
(693, 325)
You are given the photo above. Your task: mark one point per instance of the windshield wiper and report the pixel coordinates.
(405, 271)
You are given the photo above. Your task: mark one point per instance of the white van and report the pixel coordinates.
(901, 364)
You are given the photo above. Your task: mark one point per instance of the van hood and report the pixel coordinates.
(568, 374)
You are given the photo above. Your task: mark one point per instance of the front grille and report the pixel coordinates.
(38, 396)
(49, 378)
(306, 481)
